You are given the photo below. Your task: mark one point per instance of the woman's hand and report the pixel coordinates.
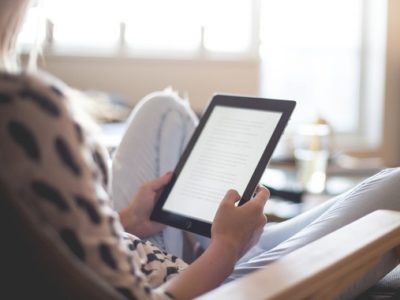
(234, 231)
(136, 217)
(240, 227)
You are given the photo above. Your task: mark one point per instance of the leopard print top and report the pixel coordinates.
(50, 162)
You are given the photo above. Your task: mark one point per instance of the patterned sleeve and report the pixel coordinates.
(49, 161)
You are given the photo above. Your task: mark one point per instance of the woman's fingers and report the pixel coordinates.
(231, 197)
(161, 181)
(261, 196)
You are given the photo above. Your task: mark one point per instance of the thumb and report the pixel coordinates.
(231, 197)
(161, 181)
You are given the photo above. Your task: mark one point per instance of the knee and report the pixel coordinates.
(383, 186)
(390, 176)
(392, 179)
(162, 108)
(165, 101)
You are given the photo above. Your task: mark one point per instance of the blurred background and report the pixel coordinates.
(339, 59)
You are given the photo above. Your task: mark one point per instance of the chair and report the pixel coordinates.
(36, 265)
(324, 268)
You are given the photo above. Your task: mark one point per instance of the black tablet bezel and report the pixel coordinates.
(286, 107)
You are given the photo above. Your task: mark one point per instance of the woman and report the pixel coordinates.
(50, 162)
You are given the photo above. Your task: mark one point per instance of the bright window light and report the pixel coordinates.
(328, 55)
(227, 25)
(154, 25)
(311, 52)
(162, 25)
(177, 24)
(88, 24)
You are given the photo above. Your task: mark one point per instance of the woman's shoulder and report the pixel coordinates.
(42, 101)
(48, 93)
(45, 93)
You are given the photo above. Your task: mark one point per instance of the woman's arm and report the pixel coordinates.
(235, 230)
(205, 274)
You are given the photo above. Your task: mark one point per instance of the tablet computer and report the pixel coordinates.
(229, 149)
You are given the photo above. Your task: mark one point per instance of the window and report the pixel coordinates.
(314, 58)
(85, 24)
(328, 55)
(153, 25)
(321, 54)
(172, 26)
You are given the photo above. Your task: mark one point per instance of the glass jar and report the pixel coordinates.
(311, 152)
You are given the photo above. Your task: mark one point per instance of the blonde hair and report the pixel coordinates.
(12, 14)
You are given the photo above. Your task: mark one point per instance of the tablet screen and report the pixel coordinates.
(225, 157)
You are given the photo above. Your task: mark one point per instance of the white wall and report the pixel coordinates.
(134, 78)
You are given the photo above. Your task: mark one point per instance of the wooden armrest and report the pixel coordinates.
(324, 268)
